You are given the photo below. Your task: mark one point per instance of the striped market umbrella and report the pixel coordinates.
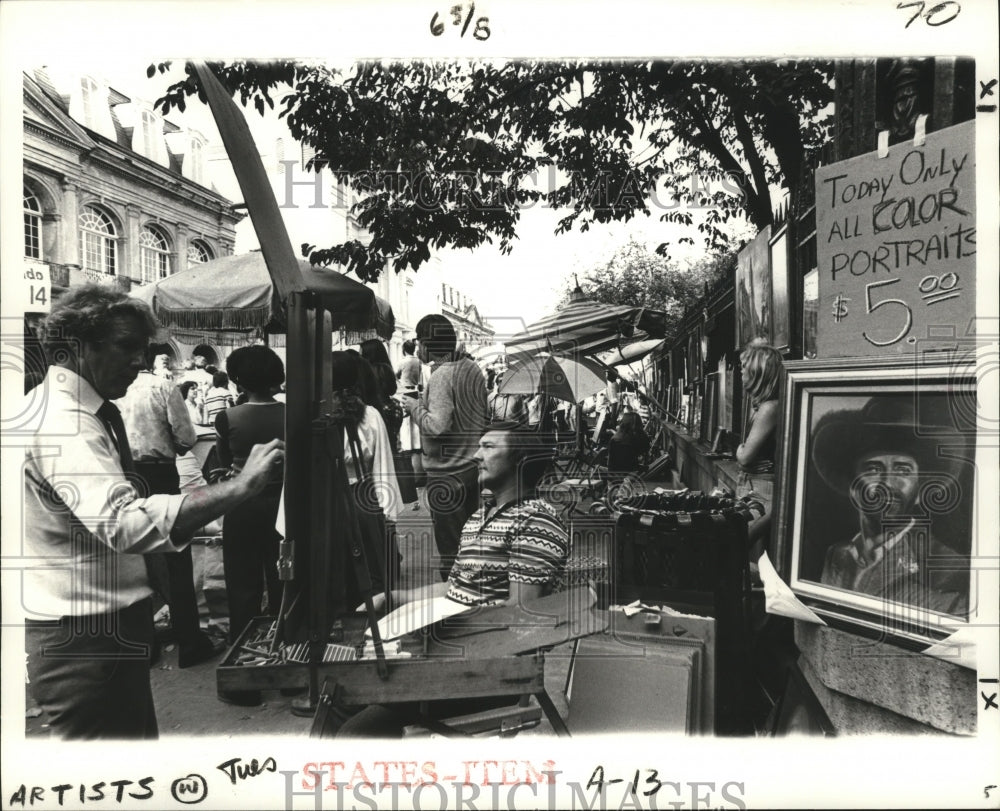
(587, 327)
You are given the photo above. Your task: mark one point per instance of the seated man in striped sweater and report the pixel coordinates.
(513, 549)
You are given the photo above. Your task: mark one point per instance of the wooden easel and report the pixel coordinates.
(312, 606)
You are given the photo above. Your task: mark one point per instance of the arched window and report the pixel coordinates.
(32, 225)
(154, 254)
(98, 241)
(198, 253)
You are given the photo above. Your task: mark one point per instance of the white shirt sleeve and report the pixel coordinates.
(82, 468)
(374, 434)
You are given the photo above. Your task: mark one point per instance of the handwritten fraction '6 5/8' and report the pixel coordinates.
(459, 16)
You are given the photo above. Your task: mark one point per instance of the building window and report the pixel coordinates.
(88, 91)
(149, 134)
(32, 225)
(154, 252)
(98, 242)
(197, 161)
(198, 253)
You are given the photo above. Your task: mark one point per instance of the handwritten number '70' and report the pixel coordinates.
(936, 15)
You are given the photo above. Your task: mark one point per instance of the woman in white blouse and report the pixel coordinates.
(376, 449)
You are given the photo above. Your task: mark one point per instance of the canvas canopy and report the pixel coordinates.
(630, 352)
(588, 327)
(236, 293)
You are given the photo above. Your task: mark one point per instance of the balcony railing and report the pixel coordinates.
(79, 276)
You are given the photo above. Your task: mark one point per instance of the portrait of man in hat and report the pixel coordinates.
(904, 93)
(897, 461)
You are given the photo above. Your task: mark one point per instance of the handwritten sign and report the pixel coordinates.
(460, 16)
(896, 245)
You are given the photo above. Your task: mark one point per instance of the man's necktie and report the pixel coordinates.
(156, 566)
(112, 419)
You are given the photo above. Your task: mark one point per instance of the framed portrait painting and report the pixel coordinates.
(875, 512)
(694, 409)
(709, 408)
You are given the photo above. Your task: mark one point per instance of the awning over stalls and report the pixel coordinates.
(588, 327)
(629, 353)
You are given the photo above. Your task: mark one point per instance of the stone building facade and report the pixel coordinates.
(472, 329)
(113, 193)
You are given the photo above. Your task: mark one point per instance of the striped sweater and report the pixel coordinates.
(522, 542)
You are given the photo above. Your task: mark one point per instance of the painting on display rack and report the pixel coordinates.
(884, 457)
(753, 290)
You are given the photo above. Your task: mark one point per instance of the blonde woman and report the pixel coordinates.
(761, 369)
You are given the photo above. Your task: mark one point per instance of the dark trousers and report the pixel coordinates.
(162, 478)
(91, 674)
(452, 498)
(250, 560)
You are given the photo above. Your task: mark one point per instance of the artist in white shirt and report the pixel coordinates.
(89, 629)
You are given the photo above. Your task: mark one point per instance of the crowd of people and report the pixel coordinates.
(111, 514)
(437, 423)
(437, 431)
(127, 494)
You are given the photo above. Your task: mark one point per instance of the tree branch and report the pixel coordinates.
(711, 141)
(763, 202)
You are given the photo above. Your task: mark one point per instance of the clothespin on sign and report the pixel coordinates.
(883, 144)
(920, 130)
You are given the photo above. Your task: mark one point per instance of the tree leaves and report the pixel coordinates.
(636, 277)
(444, 154)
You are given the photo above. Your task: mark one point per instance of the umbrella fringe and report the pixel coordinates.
(215, 318)
(358, 336)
